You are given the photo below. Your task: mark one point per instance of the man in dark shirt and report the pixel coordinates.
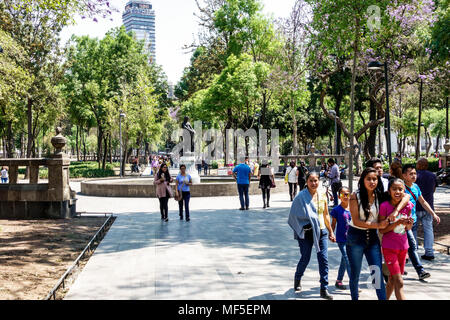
(426, 180)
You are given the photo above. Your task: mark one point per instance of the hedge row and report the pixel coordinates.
(433, 164)
(80, 170)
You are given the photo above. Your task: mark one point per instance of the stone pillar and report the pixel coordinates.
(13, 174)
(347, 159)
(34, 173)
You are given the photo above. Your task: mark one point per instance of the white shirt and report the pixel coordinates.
(292, 174)
(373, 217)
(5, 174)
(385, 184)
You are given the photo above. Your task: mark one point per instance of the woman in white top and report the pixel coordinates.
(292, 178)
(362, 237)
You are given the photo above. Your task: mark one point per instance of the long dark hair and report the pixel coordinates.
(364, 195)
(166, 174)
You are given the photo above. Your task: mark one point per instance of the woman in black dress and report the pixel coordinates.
(266, 180)
(302, 172)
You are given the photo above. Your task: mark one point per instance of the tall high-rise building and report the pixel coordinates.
(139, 17)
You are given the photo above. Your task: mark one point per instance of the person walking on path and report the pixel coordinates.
(362, 237)
(395, 170)
(266, 181)
(292, 179)
(341, 217)
(335, 180)
(394, 242)
(427, 183)
(310, 221)
(243, 174)
(4, 175)
(163, 190)
(155, 166)
(184, 181)
(410, 177)
(302, 172)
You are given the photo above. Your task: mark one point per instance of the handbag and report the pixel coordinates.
(179, 195)
(273, 185)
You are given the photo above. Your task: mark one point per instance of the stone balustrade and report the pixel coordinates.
(312, 158)
(32, 199)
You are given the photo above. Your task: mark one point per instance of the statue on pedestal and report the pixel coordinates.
(186, 125)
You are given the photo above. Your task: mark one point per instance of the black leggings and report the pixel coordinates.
(292, 190)
(163, 207)
(301, 184)
(266, 192)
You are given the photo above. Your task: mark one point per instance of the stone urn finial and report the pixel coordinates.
(58, 142)
(447, 146)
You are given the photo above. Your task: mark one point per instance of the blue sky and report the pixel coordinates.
(176, 26)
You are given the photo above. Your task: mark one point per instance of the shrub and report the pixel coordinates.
(433, 164)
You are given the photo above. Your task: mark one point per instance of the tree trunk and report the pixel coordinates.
(84, 137)
(438, 140)
(371, 141)
(77, 145)
(419, 121)
(10, 141)
(228, 126)
(30, 127)
(105, 152)
(339, 129)
(352, 103)
(294, 129)
(110, 149)
(430, 142)
(99, 145)
(404, 145)
(147, 152)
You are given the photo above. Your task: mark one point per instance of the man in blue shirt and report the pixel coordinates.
(426, 181)
(243, 174)
(410, 177)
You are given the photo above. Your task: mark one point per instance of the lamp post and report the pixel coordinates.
(333, 113)
(375, 65)
(121, 115)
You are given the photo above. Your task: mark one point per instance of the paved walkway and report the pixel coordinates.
(220, 254)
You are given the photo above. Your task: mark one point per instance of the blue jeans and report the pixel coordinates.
(412, 251)
(345, 264)
(306, 246)
(428, 237)
(4, 180)
(364, 243)
(243, 191)
(186, 197)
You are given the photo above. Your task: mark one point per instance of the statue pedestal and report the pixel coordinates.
(189, 161)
